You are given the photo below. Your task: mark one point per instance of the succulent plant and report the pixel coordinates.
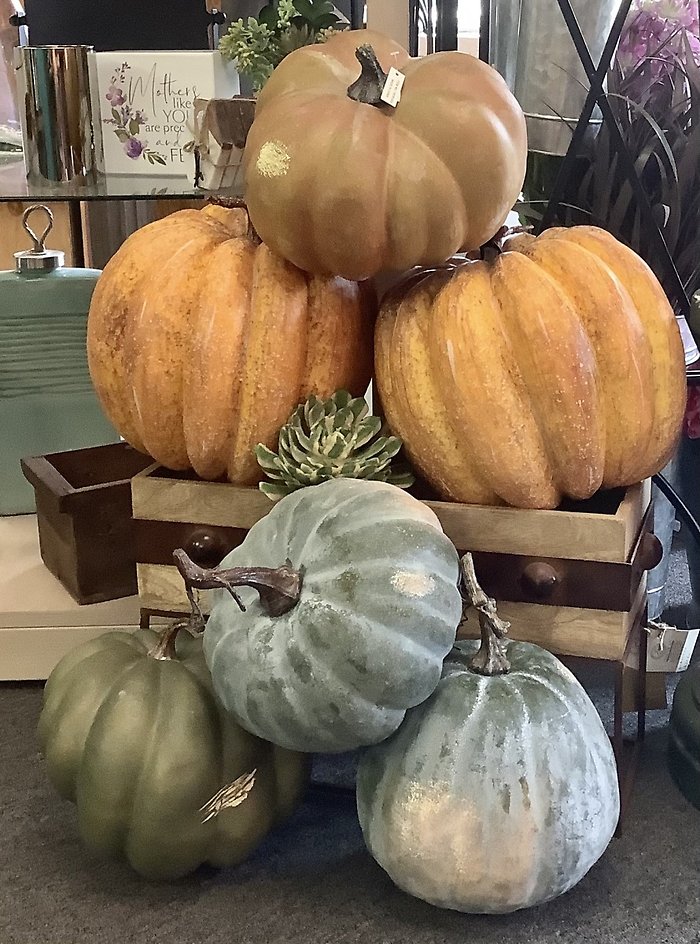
(327, 439)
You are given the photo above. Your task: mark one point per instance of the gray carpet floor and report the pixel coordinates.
(312, 881)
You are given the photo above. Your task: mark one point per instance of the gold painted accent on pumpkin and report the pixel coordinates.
(458, 132)
(229, 797)
(273, 159)
(413, 584)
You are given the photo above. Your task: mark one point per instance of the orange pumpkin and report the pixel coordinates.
(342, 186)
(554, 370)
(201, 341)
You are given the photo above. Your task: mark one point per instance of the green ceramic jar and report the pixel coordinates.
(47, 402)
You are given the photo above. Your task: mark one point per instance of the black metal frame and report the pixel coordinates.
(597, 96)
(443, 34)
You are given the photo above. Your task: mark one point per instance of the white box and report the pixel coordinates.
(143, 105)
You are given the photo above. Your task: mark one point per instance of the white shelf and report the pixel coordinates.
(39, 620)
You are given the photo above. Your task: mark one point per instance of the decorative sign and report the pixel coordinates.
(143, 106)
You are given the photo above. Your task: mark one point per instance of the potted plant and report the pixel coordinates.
(257, 45)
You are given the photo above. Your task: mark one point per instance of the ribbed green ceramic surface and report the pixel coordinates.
(47, 403)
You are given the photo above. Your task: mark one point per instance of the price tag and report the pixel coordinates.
(392, 87)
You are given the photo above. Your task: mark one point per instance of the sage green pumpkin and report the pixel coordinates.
(684, 737)
(140, 745)
(365, 641)
(496, 794)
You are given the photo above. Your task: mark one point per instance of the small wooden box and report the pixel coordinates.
(83, 503)
(595, 549)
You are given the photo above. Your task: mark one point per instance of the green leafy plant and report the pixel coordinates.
(259, 44)
(327, 439)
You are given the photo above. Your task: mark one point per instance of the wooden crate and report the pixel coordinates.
(596, 551)
(83, 503)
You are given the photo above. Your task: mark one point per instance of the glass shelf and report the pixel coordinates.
(15, 186)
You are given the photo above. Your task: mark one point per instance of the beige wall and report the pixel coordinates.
(389, 17)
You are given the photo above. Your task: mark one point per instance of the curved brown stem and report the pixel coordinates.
(279, 587)
(369, 87)
(491, 659)
(491, 250)
(164, 650)
(235, 203)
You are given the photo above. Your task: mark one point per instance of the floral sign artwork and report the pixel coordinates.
(145, 101)
(128, 121)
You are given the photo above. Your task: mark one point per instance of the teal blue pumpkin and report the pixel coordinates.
(133, 735)
(684, 737)
(497, 793)
(365, 638)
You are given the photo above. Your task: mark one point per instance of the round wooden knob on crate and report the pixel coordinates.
(539, 579)
(206, 547)
(651, 551)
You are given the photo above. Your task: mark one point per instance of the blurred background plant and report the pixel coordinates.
(259, 44)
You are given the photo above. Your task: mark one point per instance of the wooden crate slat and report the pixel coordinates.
(214, 503)
(570, 535)
(566, 630)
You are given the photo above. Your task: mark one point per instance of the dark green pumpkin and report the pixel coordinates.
(133, 735)
(684, 737)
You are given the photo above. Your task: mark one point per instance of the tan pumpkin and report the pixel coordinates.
(554, 369)
(340, 185)
(201, 341)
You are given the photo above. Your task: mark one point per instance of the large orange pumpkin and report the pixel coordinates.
(338, 185)
(554, 370)
(202, 341)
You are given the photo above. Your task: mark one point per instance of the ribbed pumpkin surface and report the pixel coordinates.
(201, 341)
(378, 613)
(495, 794)
(139, 745)
(554, 371)
(350, 188)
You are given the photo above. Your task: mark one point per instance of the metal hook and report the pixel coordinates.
(39, 241)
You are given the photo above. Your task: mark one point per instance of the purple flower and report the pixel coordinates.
(658, 37)
(115, 96)
(650, 23)
(134, 148)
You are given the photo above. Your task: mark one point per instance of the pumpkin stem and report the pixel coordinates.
(164, 649)
(279, 587)
(369, 87)
(236, 203)
(491, 659)
(491, 250)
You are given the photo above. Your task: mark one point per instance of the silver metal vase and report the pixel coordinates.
(530, 45)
